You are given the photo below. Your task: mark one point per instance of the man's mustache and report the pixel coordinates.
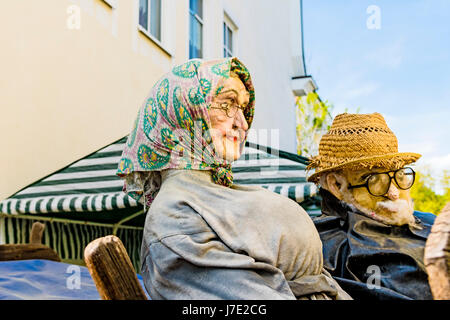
(393, 206)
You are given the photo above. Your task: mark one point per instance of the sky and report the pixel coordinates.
(391, 57)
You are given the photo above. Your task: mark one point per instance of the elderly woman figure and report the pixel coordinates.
(373, 239)
(205, 237)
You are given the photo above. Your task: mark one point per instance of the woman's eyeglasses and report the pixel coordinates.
(230, 109)
(378, 183)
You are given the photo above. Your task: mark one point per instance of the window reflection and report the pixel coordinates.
(195, 29)
(150, 17)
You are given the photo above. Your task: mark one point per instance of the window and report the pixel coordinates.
(150, 17)
(227, 41)
(195, 29)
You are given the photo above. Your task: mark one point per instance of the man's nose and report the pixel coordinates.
(393, 192)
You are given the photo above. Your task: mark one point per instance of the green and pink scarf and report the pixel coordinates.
(171, 128)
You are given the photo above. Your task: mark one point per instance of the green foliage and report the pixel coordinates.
(423, 194)
(346, 110)
(313, 120)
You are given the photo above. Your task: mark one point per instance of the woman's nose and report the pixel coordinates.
(240, 121)
(393, 192)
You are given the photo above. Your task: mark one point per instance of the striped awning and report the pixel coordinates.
(90, 184)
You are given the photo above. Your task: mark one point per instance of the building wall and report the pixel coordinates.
(265, 47)
(68, 91)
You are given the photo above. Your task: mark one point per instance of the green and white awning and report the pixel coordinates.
(90, 184)
(84, 201)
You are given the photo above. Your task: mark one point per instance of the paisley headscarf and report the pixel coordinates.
(171, 128)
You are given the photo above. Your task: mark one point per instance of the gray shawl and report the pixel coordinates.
(206, 241)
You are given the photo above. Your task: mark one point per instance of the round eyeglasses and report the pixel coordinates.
(230, 110)
(378, 183)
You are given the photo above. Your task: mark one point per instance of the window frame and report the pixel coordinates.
(226, 48)
(233, 26)
(149, 14)
(194, 15)
(162, 43)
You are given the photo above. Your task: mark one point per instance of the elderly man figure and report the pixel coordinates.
(373, 240)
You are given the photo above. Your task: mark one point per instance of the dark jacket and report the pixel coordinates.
(372, 260)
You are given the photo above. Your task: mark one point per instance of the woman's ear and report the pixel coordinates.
(336, 184)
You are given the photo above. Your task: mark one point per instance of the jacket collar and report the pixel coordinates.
(332, 206)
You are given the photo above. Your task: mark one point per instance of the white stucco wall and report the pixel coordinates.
(268, 42)
(73, 87)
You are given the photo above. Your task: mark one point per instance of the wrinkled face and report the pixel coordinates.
(394, 207)
(228, 123)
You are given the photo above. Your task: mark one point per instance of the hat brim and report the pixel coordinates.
(392, 160)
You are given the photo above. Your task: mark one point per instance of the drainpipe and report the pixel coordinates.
(301, 26)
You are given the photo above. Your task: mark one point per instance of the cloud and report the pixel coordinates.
(389, 56)
(351, 87)
(439, 163)
(349, 94)
(425, 136)
(361, 90)
(423, 146)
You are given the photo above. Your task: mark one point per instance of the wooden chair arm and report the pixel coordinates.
(112, 271)
(33, 250)
(9, 252)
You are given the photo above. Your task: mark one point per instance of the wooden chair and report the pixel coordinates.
(437, 256)
(33, 250)
(112, 271)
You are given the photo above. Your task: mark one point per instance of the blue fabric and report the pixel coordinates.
(46, 280)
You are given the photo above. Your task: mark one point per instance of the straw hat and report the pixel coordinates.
(359, 141)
